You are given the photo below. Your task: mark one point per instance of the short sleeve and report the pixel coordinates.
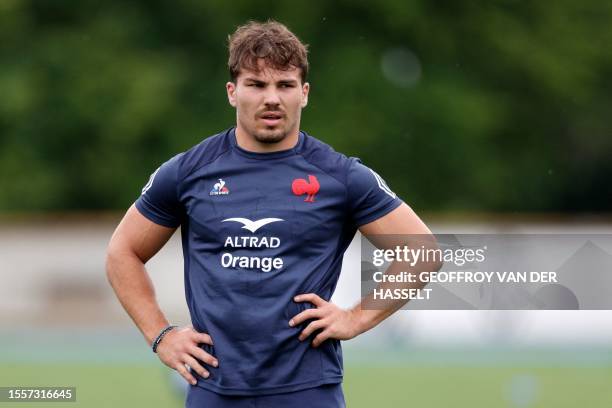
(159, 200)
(369, 196)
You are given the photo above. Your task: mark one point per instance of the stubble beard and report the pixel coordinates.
(270, 136)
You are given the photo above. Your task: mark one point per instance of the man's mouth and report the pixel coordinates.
(271, 118)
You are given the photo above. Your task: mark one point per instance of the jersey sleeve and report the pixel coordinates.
(369, 196)
(159, 200)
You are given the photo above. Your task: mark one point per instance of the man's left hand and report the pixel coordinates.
(334, 322)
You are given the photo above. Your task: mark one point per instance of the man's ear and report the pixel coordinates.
(305, 90)
(231, 93)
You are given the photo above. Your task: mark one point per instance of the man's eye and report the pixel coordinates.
(286, 86)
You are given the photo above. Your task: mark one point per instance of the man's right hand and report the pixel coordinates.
(179, 347)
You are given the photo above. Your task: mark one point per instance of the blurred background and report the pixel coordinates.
(483, 116)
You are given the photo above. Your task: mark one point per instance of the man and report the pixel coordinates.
(266, 212)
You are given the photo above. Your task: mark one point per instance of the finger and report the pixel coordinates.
(305, 315)
(310, 297)
(182, 370)
(321, 337)
(195, 366)
(203, 356)
(203, 338)
(316, 325)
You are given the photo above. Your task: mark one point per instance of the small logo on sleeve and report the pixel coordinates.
(382, 184)
(150, 182)
(310, 188)
(219, 189)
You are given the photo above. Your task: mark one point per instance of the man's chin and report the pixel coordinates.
(270, 136)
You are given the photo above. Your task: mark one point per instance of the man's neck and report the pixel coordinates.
(248, 142)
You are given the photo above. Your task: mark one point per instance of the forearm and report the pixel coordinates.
(134, 289)
(367, 318)
(369, 312)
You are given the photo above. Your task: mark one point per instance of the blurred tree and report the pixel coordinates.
(461, 106)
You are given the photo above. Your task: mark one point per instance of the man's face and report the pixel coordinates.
(269, 102)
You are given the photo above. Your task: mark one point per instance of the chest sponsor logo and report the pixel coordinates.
(311, 187)
(219, 189)
(253, 226)
(254, 242)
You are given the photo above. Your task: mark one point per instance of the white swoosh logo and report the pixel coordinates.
(253, 225)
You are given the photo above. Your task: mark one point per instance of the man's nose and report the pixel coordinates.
(271, 97)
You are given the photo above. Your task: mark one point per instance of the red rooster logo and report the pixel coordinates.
(310, 187)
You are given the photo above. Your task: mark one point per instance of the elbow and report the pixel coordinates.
(115, 257)
(436, 266)
(435, 261)
(120, 262)
(110, 263)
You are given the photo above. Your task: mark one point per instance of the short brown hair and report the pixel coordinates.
(272, 41)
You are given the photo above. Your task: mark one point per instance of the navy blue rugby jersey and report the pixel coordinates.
(258, 229)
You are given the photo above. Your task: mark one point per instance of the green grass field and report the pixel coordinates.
(365, 385)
